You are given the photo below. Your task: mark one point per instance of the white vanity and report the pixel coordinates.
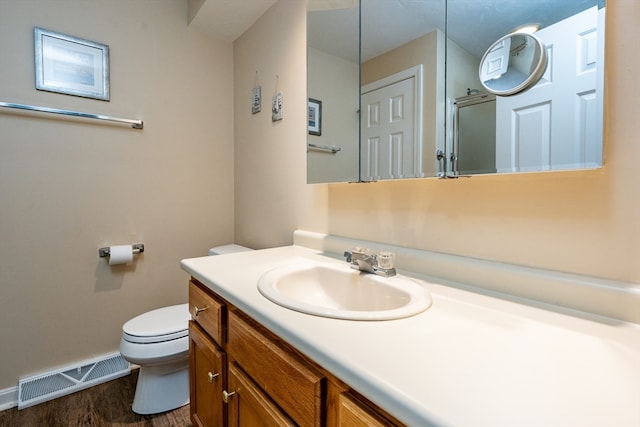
(473, 358)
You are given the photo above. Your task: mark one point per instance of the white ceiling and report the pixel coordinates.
(226, 19)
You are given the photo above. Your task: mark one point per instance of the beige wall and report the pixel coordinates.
(68, 187)
(271, 195)
(584, 222)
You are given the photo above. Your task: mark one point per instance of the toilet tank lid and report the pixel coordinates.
(228, 249)
(158, 322)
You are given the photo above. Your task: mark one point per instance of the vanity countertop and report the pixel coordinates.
(469, 360)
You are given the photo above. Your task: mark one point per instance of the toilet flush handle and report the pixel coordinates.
(197, 310)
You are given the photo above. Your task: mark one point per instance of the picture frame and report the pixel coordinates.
(71, 65)
(315, 117)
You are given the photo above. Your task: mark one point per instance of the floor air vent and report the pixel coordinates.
(67, 380)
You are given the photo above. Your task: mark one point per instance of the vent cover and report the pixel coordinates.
(67, 380)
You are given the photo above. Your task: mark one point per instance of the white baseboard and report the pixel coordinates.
(8, 398)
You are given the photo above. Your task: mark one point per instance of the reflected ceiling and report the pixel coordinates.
(228, 19)
(491, 20)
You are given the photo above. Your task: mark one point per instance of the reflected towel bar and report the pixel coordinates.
(136, 124)
(333, 149)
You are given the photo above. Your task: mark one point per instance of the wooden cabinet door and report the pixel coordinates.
(353, 414)
(248, 406)
(207, 379)
(290, 381)
(207, 311)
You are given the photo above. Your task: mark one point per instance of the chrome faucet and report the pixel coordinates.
(364, 260)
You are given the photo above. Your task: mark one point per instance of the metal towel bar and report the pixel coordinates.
(136, 124)
(332, 148)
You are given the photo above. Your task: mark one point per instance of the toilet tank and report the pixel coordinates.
(228, 249)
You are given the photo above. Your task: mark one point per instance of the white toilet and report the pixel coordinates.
(158, 341)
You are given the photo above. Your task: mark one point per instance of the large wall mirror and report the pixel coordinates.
(333, 87)
(406, 99)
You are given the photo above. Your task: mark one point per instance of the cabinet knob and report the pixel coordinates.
(197, 310)
(211, 377)
(226, 395)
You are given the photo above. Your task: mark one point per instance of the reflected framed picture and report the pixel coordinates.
(71, 65)
(315, 117)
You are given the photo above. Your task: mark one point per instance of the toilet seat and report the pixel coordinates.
(160, 325)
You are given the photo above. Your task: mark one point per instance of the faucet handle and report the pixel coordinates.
(360, 250)
(385, 259)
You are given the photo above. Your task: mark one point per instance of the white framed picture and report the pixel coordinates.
(71, 65)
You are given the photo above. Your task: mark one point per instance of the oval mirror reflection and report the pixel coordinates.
(513, 64)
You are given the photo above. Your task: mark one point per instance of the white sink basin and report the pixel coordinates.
(338, 291)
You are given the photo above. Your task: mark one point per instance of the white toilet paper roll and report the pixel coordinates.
(120, 254)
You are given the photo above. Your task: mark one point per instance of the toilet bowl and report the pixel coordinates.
(158, 341)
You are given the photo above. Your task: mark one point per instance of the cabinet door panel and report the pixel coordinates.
(207, 311)
(207, 379)
(353, 414)
(249, 406)
(291, 383)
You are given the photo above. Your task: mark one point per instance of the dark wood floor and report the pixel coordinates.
(107, 404)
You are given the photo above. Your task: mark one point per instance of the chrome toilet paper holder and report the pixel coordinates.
(136, 248)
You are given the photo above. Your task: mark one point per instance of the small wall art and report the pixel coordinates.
(256, 99)
(315, 117)
(276, 107)
(70, 65)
